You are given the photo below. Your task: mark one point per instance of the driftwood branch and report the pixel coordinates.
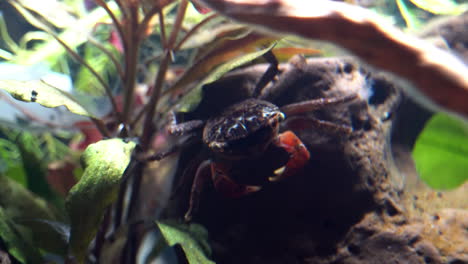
(436, 73)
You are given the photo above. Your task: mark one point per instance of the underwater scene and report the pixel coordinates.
(234, 131)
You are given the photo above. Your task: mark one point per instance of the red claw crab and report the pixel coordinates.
(239, 136)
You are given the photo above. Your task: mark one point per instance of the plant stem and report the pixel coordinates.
(131, 62)
(148, 122)
(160, 77)
(178, 23)
(122, 8)
(114, 19)
(162, 29)
(101, 127)
(80, 60)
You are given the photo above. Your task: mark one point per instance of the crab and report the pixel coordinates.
(242, 132)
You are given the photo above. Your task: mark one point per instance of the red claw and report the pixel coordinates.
(299, 155)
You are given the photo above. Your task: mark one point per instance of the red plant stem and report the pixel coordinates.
(78, 58)
(131, 61)
(115, 21)
(178, 23)
(162, 28)
(122, 8)
(160, 77)
(148, 122)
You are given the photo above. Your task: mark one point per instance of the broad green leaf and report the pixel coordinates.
(104, 163)
(19, 206)
(441, 7)
(10, 161)
(16, 172)
(85, 81)
(32, 154)
(19, 203)
(441, 152)
(192, 238)
(193, 98)
(43, 94)
(16, 244)
(34, 165)
(51, 236)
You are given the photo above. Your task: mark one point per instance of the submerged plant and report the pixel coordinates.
(132, 63)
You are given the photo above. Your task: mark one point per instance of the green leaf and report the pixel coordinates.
(17, 206)
(441, 152)
(10, 161)
(85, 81)
(16, 244)
(227, 47)
(411, 19)
(55, 12)
(192, 238)
(104, 163)
(74, 35)
(193, 98)
(440, 7)
(43, 94)
(51, 236)
(19, 203)
(34, 165)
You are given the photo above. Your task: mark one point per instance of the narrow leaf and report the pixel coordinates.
(55, 12)
(18, 205)
(15, 243)
(286, 53)
(410, 18)
(104, 163)
(191, 238)
(74, 35)
(43, 94)
(51, 236)
(193, 98)
(440, 7)
(441, 152)
(229, 46)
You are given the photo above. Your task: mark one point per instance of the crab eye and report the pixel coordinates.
(281, 116)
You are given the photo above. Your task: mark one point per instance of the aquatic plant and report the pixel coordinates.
(131, 64)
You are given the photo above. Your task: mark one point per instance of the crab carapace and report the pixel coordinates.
(243, 147)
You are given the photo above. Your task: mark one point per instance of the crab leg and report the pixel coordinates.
(306, 122)
(226, 186)
(201, 176)
(269, 75)
(183, 128)
(299, 155)
(315, 104)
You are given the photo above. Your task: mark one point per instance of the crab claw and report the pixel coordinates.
(226, 186)
(299, 155)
